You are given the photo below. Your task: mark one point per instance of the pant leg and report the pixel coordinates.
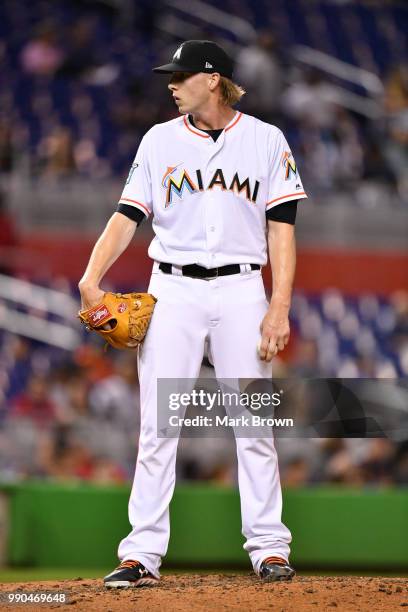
(233, 346)
(173, 348)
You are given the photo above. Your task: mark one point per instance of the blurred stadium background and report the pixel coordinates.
(76, 96)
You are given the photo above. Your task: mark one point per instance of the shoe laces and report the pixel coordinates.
(129, 564)
(275, 560)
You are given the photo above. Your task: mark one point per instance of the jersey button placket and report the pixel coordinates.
(211, 229)
(213, 226)
(212, 216)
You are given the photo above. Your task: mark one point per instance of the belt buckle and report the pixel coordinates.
(212, 277)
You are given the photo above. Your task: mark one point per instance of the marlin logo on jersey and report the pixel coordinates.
(172, 185)
(131, 171)
(289, 164)
(177, 186)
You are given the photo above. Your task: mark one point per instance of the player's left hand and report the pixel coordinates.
(275, 332)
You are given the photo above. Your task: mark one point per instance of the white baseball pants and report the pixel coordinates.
(228, 312)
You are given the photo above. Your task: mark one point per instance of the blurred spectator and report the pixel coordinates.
(399, 335)
(400, 467)
(259, 71)
(375, 169)
(94, 364)
(6, 146)
(116, 397)
(35, 402)
(379, 461)
(65, 458)
(107, 471)
(311, 100)
(334, 463)
(71, 462)
(16, 357)
(87, 161)
(207, 458)
(77, 396)
(341, 469)
(62, 379)
(8, 238)
(146, 15)
(396, 144)
(305, 363)
(80, 55)
(332, 154)
(41, 55)
(295, 473)
(56, 154)
(136, 112)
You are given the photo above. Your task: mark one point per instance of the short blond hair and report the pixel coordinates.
(231, 93)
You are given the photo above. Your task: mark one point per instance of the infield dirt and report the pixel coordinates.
(220, 592)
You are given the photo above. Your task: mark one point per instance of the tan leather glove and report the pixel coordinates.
(121, 319)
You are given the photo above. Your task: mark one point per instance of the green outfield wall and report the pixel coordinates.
(81, 526)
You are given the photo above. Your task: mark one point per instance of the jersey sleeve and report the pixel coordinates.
(284, 182)
(283, 213)
(137, 191)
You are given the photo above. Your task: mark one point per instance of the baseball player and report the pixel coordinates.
(222, 188)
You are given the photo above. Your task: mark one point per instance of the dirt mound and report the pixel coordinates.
(220, 592)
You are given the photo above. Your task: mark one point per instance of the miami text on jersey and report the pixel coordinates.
(174, 185)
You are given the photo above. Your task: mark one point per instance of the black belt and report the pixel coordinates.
(196, 271)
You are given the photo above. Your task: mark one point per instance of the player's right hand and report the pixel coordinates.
(275, 332)
(90, 296)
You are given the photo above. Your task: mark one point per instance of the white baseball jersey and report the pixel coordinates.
(209, 199)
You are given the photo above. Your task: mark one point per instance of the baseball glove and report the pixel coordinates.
(121, 319)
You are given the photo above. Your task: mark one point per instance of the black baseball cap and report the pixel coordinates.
(199, 56)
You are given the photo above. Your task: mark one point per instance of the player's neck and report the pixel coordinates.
(214, 118)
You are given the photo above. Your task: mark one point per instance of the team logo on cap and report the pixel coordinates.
(177, 54)
(289, 164)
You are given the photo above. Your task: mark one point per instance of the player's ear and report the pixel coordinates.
(213, 80)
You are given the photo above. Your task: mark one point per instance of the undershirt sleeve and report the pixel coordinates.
(132, 213)
(284, 213)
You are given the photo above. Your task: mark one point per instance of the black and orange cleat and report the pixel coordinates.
(275, 569)
(129, 574)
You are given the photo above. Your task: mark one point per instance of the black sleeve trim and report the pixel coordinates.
(132, 212)
(284, 213)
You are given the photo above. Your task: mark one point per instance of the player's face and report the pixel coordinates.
(191, 92)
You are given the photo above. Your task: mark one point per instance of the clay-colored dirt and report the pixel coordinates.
(220, 592)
